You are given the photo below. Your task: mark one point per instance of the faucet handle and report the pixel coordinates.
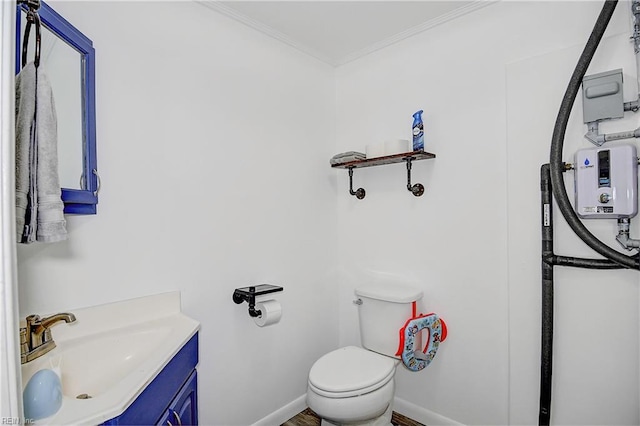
(24, 340)
(32, 319)
(46, 335)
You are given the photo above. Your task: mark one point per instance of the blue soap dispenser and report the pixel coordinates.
(418, 131)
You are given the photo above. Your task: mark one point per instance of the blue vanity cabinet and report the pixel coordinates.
(174, 390)
(184, 409)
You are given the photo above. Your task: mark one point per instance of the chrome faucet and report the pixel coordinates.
(35, 338)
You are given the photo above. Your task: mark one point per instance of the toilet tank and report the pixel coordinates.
(385, 308)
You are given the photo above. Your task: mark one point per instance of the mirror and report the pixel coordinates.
(67, 57)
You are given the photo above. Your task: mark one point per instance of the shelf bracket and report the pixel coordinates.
(360, 192)
(418, 188)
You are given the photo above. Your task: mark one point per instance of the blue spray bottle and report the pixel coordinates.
(418, 131)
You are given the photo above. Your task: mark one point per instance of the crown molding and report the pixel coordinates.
(269, 31)
(410, 32)
(263, 28)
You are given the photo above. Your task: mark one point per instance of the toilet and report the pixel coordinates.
(355, 385)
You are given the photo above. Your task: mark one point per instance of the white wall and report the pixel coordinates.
(490, 84)
(213, 147)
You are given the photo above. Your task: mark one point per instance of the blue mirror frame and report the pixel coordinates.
(76, 201)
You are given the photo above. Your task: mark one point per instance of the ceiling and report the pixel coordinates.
(337, 32)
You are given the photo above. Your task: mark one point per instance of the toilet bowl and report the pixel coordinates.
(352, 386)
(355, 385)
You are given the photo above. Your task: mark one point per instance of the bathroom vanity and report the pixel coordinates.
(129, 362)
(171, 397)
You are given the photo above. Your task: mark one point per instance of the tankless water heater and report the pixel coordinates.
(606, 182)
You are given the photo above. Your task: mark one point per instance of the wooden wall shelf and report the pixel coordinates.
(388, 159)
(408, 157)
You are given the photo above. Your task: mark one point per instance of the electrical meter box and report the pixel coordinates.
(602, 96)
(606, 182)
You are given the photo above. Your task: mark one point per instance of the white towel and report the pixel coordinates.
(39, 207)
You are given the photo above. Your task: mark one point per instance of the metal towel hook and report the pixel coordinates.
(32, 18)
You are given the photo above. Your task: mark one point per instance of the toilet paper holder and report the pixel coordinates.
(249, 294)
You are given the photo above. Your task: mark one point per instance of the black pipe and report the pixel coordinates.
(549, 260)
(585, 263)
(546, 351)
(557, 142)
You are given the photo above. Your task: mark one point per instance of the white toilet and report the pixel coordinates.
(353, 385)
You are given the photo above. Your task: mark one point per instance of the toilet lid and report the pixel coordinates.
(351, 369)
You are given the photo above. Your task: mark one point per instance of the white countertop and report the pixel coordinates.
(152, 329)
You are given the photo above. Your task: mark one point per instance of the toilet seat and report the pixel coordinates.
(350, 371)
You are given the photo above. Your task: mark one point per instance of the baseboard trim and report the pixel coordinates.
(400, 406)
(421, 414)
(283, 414)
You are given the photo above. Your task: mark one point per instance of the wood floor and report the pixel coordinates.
(309, 418)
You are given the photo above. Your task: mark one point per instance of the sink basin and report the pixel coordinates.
(104, 367)
(92, 366)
